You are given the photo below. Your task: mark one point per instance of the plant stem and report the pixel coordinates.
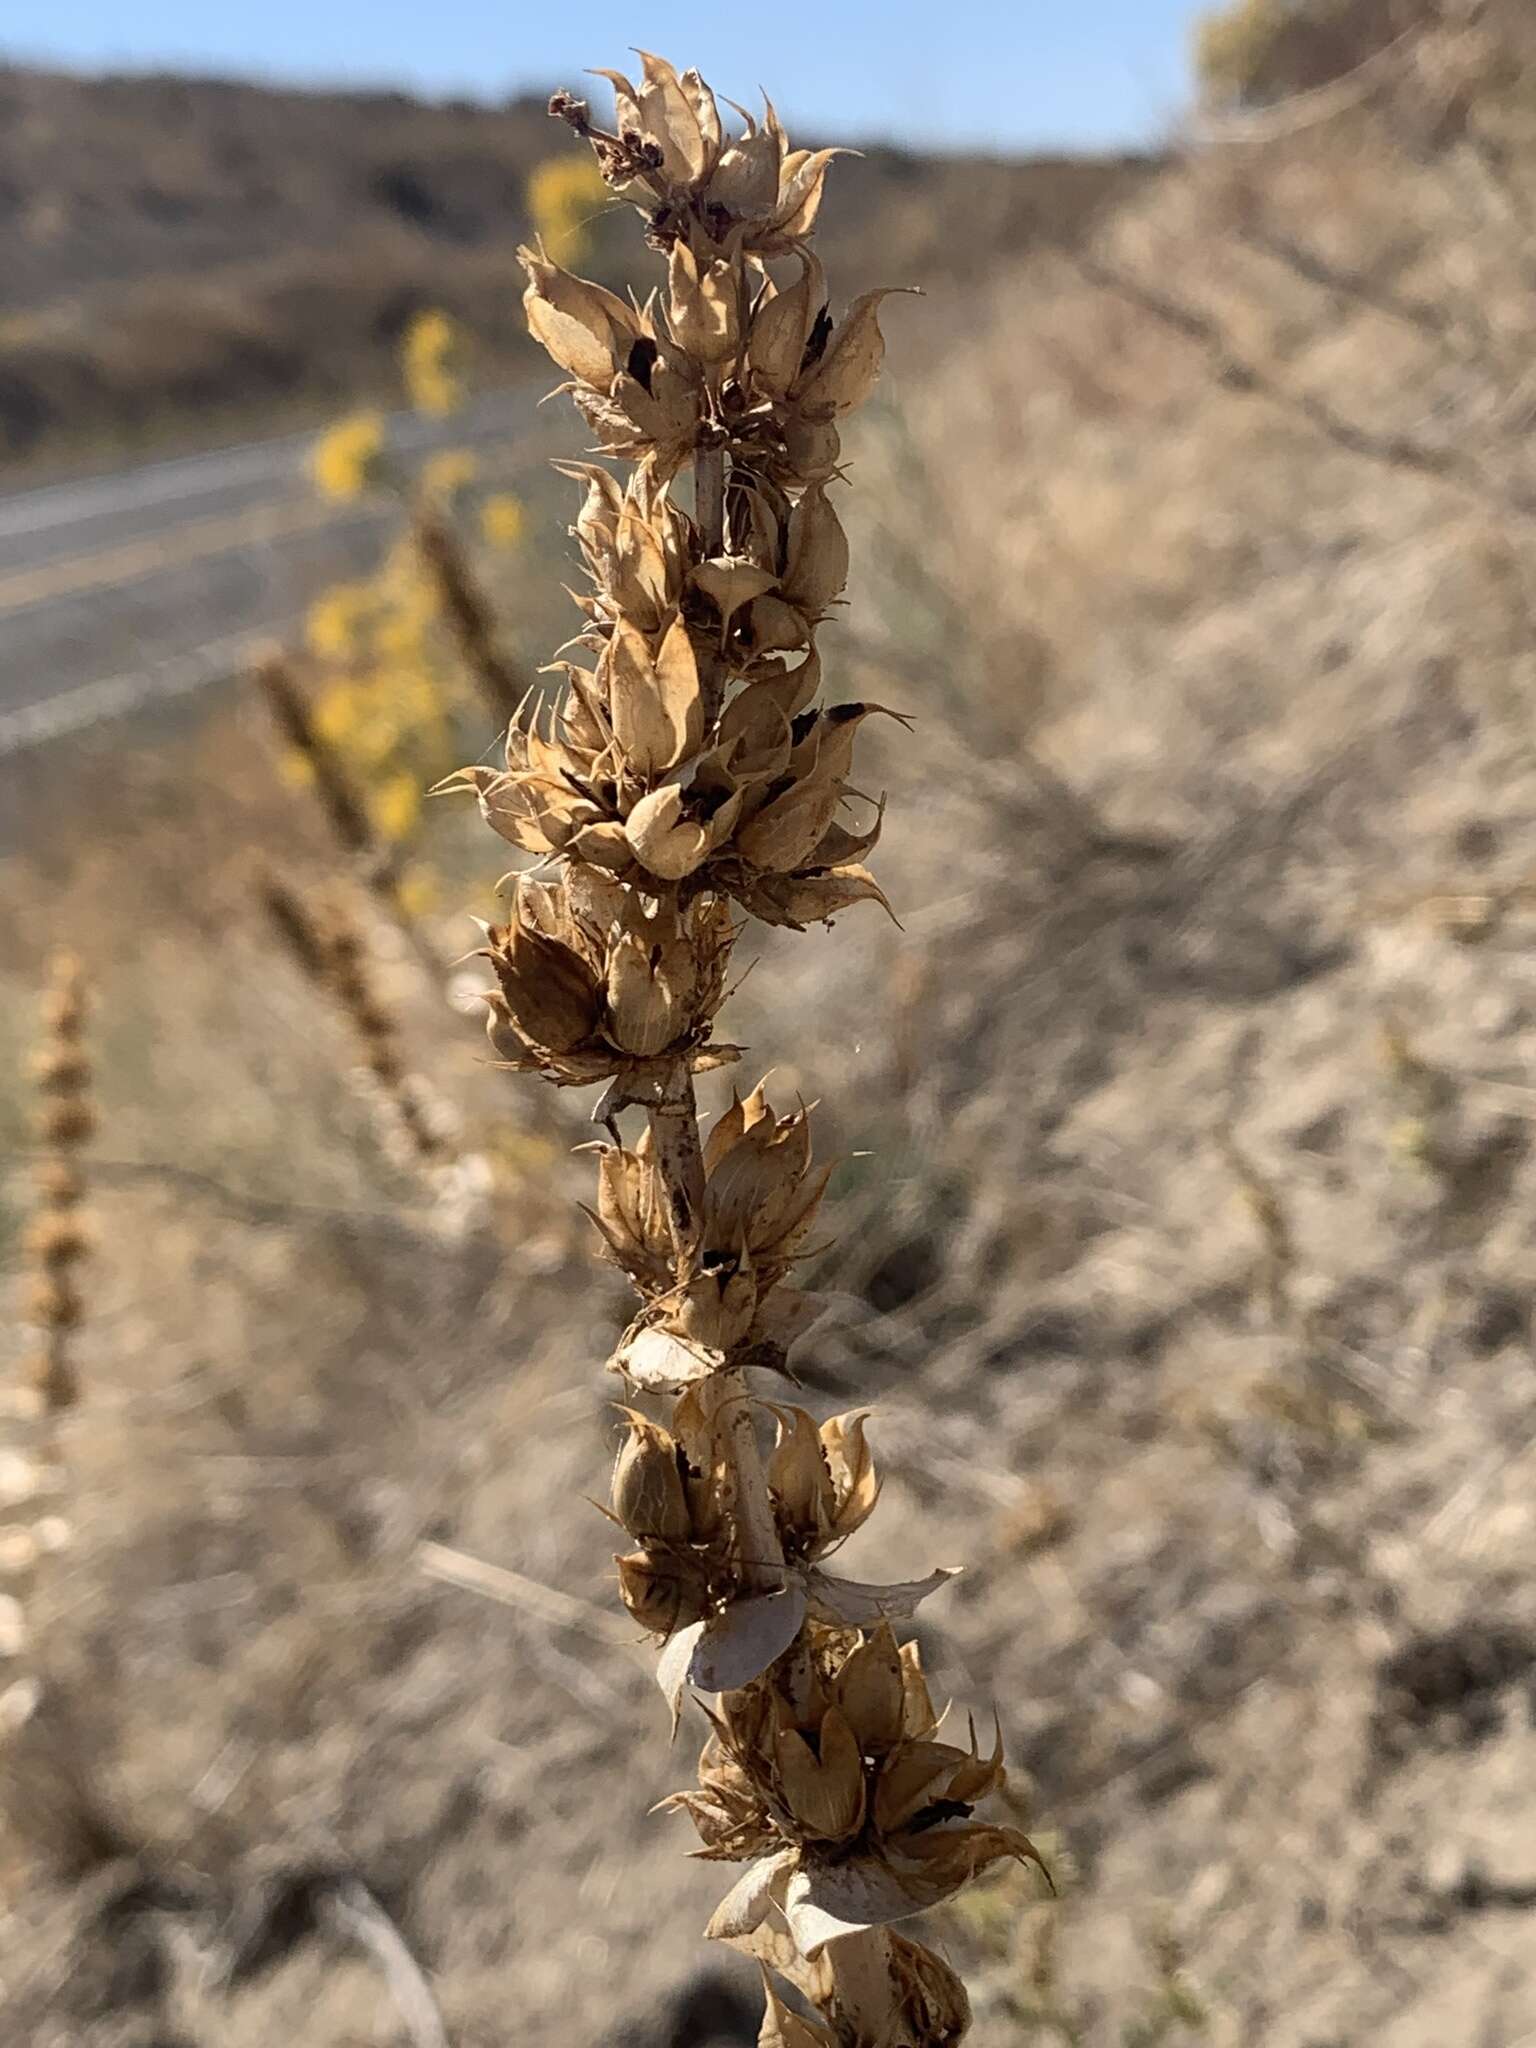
(709, 498)
(865, 1989)
(674, 1124)
(709, 513)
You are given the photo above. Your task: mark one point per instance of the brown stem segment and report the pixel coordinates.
(709, 513)
(864, 1988)
(674, 1121)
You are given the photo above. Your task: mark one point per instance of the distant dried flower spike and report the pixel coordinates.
(687, 764)
(58, 1240)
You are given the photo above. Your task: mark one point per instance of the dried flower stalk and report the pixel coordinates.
(328, 944)
(57, 1244)
(57, 1241)
(467, 613)
(343, 809)
(690, 768)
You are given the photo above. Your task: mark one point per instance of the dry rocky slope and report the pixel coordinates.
(173, 249)
(1193, 1278)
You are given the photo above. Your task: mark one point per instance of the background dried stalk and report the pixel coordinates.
(329, 945)
(468, 615)
(57, 1241)
(31, 1468)
(688, 769)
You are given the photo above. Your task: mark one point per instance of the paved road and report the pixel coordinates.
(160, 577)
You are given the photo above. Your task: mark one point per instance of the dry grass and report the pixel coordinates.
(1254, 1593)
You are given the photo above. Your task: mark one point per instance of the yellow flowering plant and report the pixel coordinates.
(405, 656)
(566, 194)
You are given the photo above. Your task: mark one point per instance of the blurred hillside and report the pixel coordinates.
(173, 250)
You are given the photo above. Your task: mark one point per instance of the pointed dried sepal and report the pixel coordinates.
(852, 1604)
(782, 2028)
(648, 1495)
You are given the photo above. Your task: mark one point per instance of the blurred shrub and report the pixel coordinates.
(346, 460)
(395, 698)
(1255, 52)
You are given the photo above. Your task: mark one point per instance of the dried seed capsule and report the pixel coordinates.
(702, 305)
(801, 1483)
(548, 989)
(659, 1592)
(932, 1996)
(648, 1495)
(870, 1691)
(818, 556)
(824, 1787)
(587, 330)
(850, 369)
(782, 324)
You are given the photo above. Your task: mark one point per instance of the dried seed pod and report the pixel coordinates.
(803, 1491)
(586, 329)
(648, 1495)
(783, 323)
(870, 1689)
(652, 698)
(850, 368)
(660, 1591)
(817, 569)
(933, 1999)
(823, 1787)
(703, 305)
(549, 995)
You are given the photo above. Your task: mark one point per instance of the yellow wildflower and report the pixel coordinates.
(396, 806)
(429, 363)
(565, 193)
(502, 520)
(336, 625)
(296, 771)
(347, 460)
(338, 713)
(448, 472)
(418, 891)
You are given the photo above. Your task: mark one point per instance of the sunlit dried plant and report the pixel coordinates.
(689, 772)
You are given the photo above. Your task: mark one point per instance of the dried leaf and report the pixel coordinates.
(805, 899)
(672, 1666)
(861, 1606)
(661, 1363)
(729, 582)
(747, 1904)
(739, 1644)
(822, 1904)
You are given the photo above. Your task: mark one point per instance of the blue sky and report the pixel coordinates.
(1015, 73)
